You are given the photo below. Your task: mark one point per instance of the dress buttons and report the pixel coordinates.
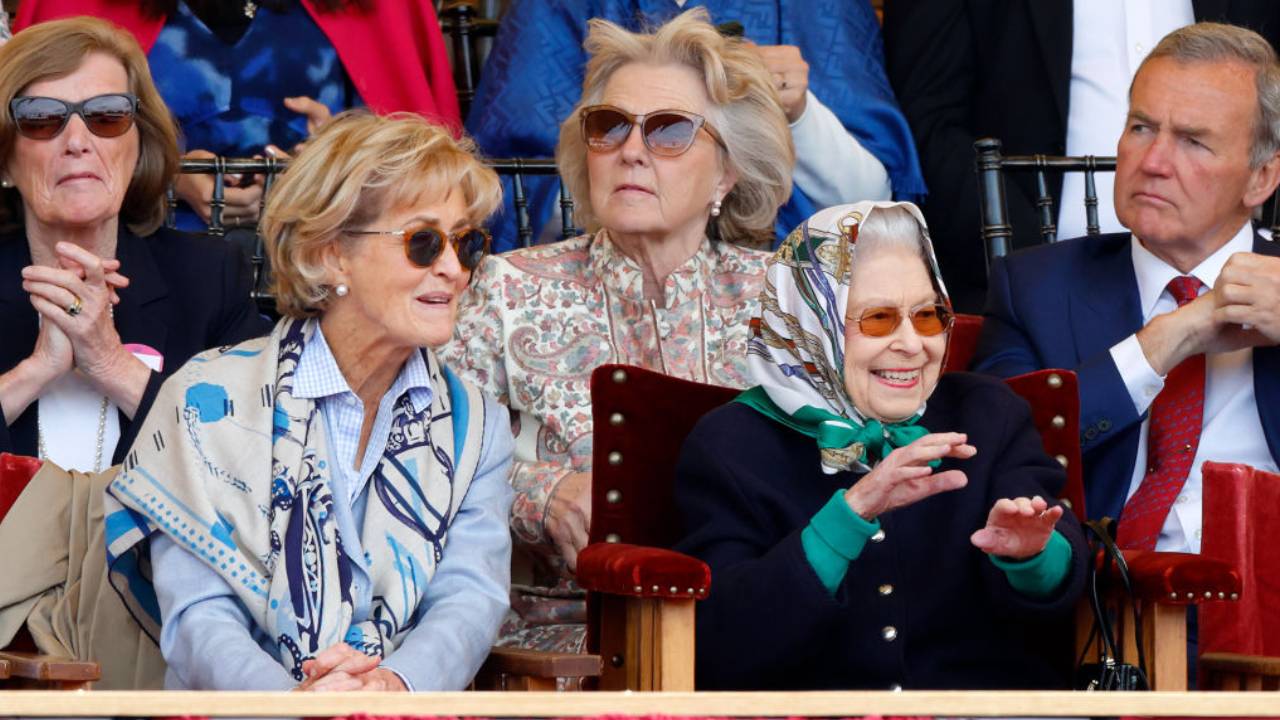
(886, 589)
(889, 633)
(878, 536)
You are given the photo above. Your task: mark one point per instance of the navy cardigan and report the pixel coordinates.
(921, 608)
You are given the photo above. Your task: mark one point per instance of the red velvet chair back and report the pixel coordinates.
(1241, 508)
(641, 420)
(964, 342)
(15, 472)
(1054, 397)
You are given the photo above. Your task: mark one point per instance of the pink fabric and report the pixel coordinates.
(1177, 417)
(393, 51)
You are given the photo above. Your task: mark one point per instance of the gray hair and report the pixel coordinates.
(744, 107)
(1208, 42)
(890, 227)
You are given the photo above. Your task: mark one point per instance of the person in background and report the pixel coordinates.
(232, 73)
(98, 303)
(326, 508)
(1050, 77)
(869, 521)
(824, 59)
(678, 139)
(1173, 326)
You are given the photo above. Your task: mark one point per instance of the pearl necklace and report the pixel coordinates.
(250, 8)
(102, 423)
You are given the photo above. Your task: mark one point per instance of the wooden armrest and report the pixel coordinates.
(1242, 664)
(49, 668)
(4, 669)
(537, 663)
(1170, 578)
(638, 571)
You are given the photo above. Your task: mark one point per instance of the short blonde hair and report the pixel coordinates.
(357, 167)
(58, 48)
(744, 107)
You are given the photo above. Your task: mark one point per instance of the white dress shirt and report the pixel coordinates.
(1109, 42)
(1232, 430)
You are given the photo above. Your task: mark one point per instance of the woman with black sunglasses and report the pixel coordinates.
(870, 522)
(679, 156)
(326, 508)
(98, 304)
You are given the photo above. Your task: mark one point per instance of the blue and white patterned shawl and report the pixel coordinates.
(235, 469)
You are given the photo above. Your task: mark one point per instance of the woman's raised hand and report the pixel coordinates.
(1017, 528)
(904, 476)
(77, 297)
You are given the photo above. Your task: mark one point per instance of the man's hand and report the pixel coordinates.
(1247, 295)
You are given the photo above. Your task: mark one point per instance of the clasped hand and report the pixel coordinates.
(1016, 528)
(342, 668)
(87, 339)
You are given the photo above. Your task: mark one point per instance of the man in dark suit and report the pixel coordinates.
(1013, 70)
(1173, 329)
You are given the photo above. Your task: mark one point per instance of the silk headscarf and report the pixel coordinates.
(796, 350)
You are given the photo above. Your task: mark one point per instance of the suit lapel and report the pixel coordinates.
(1052, 20)
(1266, 372)
(1104, 304)
(139, 317)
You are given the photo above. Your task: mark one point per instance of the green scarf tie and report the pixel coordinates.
(840, 439)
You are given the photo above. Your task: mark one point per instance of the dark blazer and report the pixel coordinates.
(1064, 305)
(187, 293)
(746, 486)
(966, 69)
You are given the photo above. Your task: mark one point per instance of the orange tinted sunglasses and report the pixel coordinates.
(928, 320)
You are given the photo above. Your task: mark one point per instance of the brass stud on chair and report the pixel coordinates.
(615, 458)
(1172, 595)
(1062, 460)
(1059, 422)
(616, 419)
(674, 590)
(1208, 595)
(1191, 596)
(1222, 596)
(619, 375)
(1054, 380)
(613, 497)
(655, 588)
(613, 538)
(639, 589)
(1235, 596)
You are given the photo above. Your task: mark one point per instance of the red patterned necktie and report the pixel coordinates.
(1177, 416)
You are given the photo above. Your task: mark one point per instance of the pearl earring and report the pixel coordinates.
(6, 183)
(715, 209)
(341, 290)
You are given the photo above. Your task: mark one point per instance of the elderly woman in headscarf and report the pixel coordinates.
(326, 507)
(678, 156)
(869, 522)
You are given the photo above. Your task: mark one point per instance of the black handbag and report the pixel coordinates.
(1109, 671)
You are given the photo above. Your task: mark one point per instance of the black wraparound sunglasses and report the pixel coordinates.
(43, 118)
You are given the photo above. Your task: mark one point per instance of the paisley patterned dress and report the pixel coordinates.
(534, 324)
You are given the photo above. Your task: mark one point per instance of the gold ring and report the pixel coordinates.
(74, 308)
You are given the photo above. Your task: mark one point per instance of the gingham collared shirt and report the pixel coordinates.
(318, 377)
